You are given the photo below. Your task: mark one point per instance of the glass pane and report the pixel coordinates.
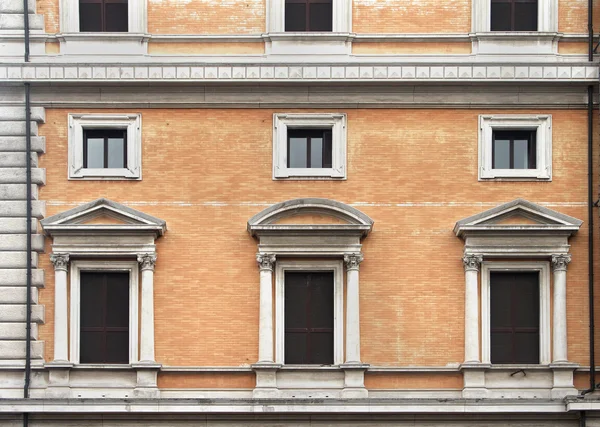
(91, 347)
(521, 159)
(295, 348)
(526, 16)
(117, 299)
(116, 153)
(527, 347)
(501, 347)
(296, 295)
(320, 16)
(500, 16)
(526, 310)
(116, 17)
(295, 16)
(321, 347)
(316, 152)
(117, 347)
(327, 149)
(90, 17)
(500, 303)
(297, 154)
(91, 300)
(321, 300)
(95, 152)
(501, 154)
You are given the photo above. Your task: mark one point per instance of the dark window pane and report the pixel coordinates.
(296, 348)
(500, 298)
(296, 300)
(117, 296)
(501, 20)
(295, 16)
(327, 149)
(501, 154)
(90, 17)
(320, 18)
(525, 16)
(321, 300)
(527, 306)
(501, 347)
(116, 17)
(322, 348)
(527, 347)
(91, 347)
(116, 152)
(117, 347)
(95, 153)
(91, 300)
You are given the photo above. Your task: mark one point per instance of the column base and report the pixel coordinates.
(562, 379)
(474, 386)
(147, 380)
(59, 372)
(266, 380)
(354, 380)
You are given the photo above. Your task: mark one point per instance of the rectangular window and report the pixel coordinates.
(515, 317)
(309, 148)
(513, 149)
(104, 148)
(104, 317)
(514, 15)
(309, 317)
(103, 16)
(308, 15)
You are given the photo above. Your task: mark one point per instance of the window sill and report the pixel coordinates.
(103, 43)
(107, 366)
(310, 368)
(515, 43)
(308, 43)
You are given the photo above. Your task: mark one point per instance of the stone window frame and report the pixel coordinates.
(79, 266)
(334, 265)
(80, 121)
(543, 267)
(547, 18)
(540, 123)
(335, 121)
(136, 10)
(342, 17)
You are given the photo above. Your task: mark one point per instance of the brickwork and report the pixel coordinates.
(411, 48)
(207, 171)
(206, 48)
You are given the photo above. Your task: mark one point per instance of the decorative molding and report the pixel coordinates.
(60, 261)
(265, 261)
(352, 261)
(560, 262)
(472, 262)
(359, 71)
(147, 261)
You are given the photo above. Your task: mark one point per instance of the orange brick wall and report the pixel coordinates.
(573, 15)
(207, 171)
(386, 48)
(206, 380)
(206, 48)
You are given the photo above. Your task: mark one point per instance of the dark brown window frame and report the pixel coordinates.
(515, 329)
(511, 135)
(105, 134)
(513, 12)
(104, 329)
(309, 134)
(307, 18)
(103, 17)
(309, 357)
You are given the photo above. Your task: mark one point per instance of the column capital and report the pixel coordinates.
(559, 262)
(472, 262)
(147, 261)
(265, 261)
(60, 261)
(352, 261)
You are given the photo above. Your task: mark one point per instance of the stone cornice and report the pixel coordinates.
(286, 72)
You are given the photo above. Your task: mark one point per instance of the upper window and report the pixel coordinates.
(105, 146)
(308, 15)
(514, 15)
(104, 324)
(103, 16)
(515, 147)
(309, 146)
(514, 317)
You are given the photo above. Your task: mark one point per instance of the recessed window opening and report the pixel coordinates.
(309, 317)
(513, 149)
(103, 16)
(104, 328)
(308, 15)
(309, 148)
(104, 148)
(515, 317)
(514, 15)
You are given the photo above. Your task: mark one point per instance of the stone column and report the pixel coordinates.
(61, 328)
(472, 264)
(266, 263)
(352, 262)
(147, 262)
(559, 326)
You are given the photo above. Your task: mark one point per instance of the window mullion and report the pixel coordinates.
(104, 317)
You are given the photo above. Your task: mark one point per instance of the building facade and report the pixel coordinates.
(298, 212)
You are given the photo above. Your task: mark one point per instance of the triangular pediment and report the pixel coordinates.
(517, 215)
(103, 215)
